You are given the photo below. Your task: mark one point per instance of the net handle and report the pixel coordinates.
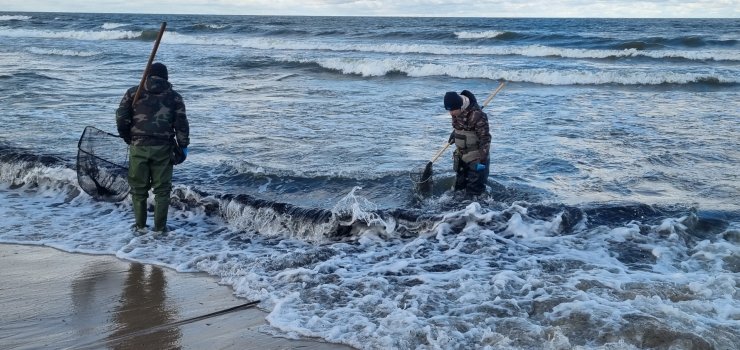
(491, 96)
(149, 63)
(439, 153)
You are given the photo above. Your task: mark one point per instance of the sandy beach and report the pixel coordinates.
(57, 300)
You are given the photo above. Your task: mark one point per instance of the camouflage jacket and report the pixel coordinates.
(159, 114)
(474, 119)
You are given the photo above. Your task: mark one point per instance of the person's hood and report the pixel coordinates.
(473, 104)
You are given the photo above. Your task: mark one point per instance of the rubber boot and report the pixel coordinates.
(139, 212)
(161, 205)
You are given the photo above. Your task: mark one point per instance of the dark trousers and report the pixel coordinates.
(470, 180)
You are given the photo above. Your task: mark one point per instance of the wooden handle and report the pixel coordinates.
(485, 103)
(149, 63)
(439, 153)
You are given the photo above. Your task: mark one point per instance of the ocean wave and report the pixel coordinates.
(29, 77)
(61, 52)
(521, 271)
(331, 32)
(207, 26)
(393, 66)
(395, 48)
(251, 170)
(276, 43)
(41, 173)
(353, 215)
(409, 35)
(22, 169)
(686, 41)
(286, 32)
(549, 51)
(71, 34)
(266, 217)
(574, 41)
(349, 216)
(113, 25)
(14, 18)
(488, 34)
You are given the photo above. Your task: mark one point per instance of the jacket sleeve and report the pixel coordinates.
(181, 125)
(124, 117)
(483, 134)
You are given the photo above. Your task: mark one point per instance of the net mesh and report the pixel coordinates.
(422, 178)
(102, 165)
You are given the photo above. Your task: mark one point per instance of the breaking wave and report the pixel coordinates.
(14, 18)
(112, 25)
(61, 52)
(368, 67)
(71, 34)
(489, 34)
(278, 43)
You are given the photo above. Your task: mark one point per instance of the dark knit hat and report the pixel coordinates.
(158, 70)
(453, 101)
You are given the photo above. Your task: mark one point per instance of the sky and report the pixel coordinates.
(412, 8)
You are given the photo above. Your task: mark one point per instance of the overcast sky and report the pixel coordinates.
(442, 8)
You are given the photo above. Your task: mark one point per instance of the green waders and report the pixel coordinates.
(150, 167)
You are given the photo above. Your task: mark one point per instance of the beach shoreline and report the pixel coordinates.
(55, 299)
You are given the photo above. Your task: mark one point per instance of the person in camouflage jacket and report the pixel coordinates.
(151, 126)
(472, 140)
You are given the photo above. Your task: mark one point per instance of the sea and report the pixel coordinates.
(611, 220)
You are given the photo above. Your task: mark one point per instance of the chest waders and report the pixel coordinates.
(468, 178)
(466, 143)
(150, 167)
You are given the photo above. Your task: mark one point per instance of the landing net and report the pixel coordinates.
(422, 179)
(102, 165)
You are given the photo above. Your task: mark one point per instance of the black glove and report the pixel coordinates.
(452, 138)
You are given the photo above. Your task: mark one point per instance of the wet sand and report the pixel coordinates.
(57, 300)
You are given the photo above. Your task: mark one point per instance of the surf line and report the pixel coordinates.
(116, 340)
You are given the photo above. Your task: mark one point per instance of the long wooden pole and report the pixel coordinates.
(149, 63)
(485, 103)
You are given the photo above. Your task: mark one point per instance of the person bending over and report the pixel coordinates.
(472, 141)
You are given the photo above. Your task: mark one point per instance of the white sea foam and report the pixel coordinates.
(488, 34)
(506, 277)
(215, 26)
(61, 52)
(113, 25)
(14, 18)
(70, 34)
(379, 67)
